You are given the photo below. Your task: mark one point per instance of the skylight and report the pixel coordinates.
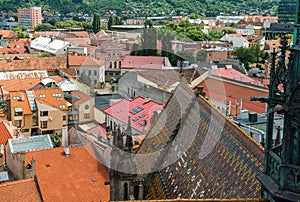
(136, 110)
(135, 119)
(42, 95)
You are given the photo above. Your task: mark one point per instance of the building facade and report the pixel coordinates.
(30, 17)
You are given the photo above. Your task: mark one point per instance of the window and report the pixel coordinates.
(86, 107)
(90, 73)
(95, 72)
(64, 117)
(18, 123)
(44, 113)
(59, 99)
(18, 111)
(86, 115)
(16, 98)
(44, 124)
(42, 95)
(62, 106)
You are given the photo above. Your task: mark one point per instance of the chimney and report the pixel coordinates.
(67, 151)
(29, 169)
(147, 99)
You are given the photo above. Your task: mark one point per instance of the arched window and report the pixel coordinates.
(125, 197)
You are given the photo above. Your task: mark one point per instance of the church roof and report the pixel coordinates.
(202, 154)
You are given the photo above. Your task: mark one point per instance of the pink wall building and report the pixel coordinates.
(30, 17)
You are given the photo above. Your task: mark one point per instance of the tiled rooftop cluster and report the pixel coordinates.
(220, 162)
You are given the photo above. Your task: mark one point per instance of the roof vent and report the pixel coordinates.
(67, 151)
(47, 165)
(94, 180)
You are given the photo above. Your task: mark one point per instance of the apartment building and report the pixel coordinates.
(37, 112)
(30, 17)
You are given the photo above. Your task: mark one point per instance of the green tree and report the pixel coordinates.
(52, 22)
(245, 55)
(186, 56)
(45, 54)
(96, 23)
(55, 139)
(201, 55)
(43, 27)
(84, 79)
(149, 39)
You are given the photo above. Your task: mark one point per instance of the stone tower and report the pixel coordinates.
(124, 181)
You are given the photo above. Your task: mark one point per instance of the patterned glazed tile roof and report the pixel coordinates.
(30, 143)
(139, 109)
(78, 177)
(205, 156)
(20, 190)
(53, 97)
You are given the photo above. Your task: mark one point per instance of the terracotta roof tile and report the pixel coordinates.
(7, 34)
(15, 85)
(4, 134)
(219, 90)
(20, 190)
(19, 99)
(53, 97)
(78, 177)
(43, 63)
(77, 61)
(81, 97)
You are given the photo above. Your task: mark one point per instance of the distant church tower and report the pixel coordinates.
(281, 178)
(125, 185)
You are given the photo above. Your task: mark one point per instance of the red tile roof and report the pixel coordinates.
(236, 75)
(14, 47)
(52, 96)
(20, 99)
(20, 190)
(7, 34)
(221, 90)
(81, 97)
(4, 133)
(43, 63)
(77, 61)
(143, 62)
(124, 108)
(78, 177)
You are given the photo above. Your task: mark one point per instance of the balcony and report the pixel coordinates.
(73, 122)
(75, 112)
